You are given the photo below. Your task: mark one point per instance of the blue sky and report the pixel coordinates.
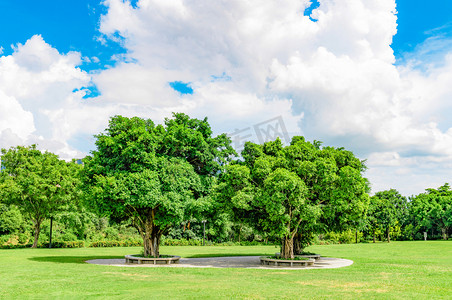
(328, 68)
(66, 25)
(418, 21)
(73, 26)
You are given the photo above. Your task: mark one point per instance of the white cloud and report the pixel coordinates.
(332, 80)
(13, 118)
(35, 82)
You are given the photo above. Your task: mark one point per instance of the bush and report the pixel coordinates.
(4, 239)
(180, 242)
(126, 243)
(64, 244)
(67, 237)
(23, 238)
(111, 234)
(11, 219)
(344, 237)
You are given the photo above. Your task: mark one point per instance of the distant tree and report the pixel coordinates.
(157, 176)
(38, 183)
(234, 194)
(433, 209)
(387, 210)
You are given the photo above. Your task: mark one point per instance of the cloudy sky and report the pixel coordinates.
(373, 76)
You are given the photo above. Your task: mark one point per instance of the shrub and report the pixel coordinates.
(126, 243)
(4, 239)
(181, 242)
(23, 238)
(111, 234)
(11, 219)
(67, 237)
(64, 244)
(344, 237)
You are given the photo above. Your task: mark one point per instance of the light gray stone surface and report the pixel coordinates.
(251, 262)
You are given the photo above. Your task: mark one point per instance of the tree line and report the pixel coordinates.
(164, 180)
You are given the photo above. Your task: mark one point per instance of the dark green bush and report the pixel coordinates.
(64, 244)
(126, 243)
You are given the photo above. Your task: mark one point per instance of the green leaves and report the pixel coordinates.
(433, 209)
(279, 188)
(283, 199)
(39, 183)
(155, 174)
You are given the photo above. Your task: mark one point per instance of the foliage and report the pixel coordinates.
(293, 191)
(157, 176)
(165, 180)
(433, 210)
(347, 236)
(11, 220)
(109, 243)
(38, 183)
(387, 210)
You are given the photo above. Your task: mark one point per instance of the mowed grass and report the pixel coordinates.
(399, 270)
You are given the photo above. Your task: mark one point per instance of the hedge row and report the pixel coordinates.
(129, 243)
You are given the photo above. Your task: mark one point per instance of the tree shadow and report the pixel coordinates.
(71, 259)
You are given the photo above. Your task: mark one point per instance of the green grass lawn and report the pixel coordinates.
(399, 270)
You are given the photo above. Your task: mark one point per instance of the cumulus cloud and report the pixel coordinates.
(36, 82)
(331, 77)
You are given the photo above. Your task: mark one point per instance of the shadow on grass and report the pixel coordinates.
(83, 259)
(71, 259)
(204, 255)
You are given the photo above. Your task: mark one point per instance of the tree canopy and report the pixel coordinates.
(40, 184)
(387, 210)
(296, 190)
(433, 209)
(154, 175)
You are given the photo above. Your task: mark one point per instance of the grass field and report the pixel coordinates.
(399, 270)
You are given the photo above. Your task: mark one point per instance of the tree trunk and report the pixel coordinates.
(287, 249)
(297, 247)
(387, 235)
(147, 238)
(37, 231)
(375, 239)
(155, 243)
(151, 238)
(443, 232)
(356, 236)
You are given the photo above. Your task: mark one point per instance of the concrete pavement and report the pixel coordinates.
(249, 262)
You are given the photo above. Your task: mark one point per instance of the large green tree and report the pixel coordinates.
(158, 176)
(38, 183)
(296, 190)
(433, 210)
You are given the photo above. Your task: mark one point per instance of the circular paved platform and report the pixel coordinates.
(250, 262)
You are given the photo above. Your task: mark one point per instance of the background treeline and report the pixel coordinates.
(201, 189)
(389, 212)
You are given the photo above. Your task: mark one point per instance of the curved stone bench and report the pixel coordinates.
(285, 262)
(130, 259)
(314, 256)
